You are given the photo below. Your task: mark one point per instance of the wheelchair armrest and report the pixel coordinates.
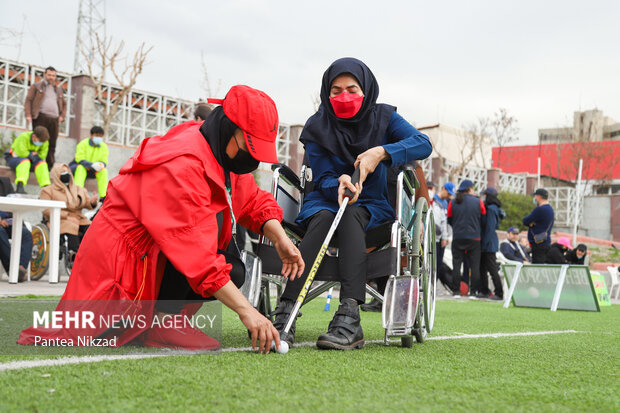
(288, 174)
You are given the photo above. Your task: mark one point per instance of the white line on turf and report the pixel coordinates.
(25, 364)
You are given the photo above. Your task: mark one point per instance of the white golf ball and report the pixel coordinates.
(283, 347)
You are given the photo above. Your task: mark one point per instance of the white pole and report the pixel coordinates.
(538, 174)
(578, 206)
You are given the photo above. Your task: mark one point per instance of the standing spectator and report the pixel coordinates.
(442, 229)
(46, 106)
(512, 248)
(467, 216)
(540, 221)
(430, 185)
(28, 152)
(557, 252)
(201, 111)
(577, 256)
(91, 161)
(490, 246)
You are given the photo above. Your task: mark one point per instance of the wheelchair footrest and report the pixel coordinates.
(400, 305)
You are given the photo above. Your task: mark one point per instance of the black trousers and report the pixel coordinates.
(51, 124)
(175, 288)
(539, 253)
(352, 263)
(488, 265)
(443, 271)
(460, 249)
(74, 241)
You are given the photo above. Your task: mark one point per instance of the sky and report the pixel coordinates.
(445, 62)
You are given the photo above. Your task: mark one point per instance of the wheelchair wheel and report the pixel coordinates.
(429, 268)
(40, 258)
(419, 330)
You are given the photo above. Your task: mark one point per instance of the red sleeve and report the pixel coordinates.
(450, 209)
(483, 209)
(173, 202)
(253, 206)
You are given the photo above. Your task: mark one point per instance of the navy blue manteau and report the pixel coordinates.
(402, 142)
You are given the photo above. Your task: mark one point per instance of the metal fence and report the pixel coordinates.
(512, 183)
(15, 80)
(141, 114)
(564, 202)
(477, 175)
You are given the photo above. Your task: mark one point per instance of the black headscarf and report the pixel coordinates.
(492, 199)
(347, 138)
(217, 130)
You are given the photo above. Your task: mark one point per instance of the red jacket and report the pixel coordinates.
(162, 205)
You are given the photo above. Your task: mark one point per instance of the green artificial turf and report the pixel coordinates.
(561, 372)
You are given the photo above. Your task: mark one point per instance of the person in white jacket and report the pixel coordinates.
(442, 229)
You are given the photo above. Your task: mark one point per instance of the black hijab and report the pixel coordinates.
(217, 130)
(347, 138)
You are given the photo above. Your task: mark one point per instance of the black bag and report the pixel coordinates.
(542, 237)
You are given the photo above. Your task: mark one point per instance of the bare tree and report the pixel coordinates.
(504, 130)
(206, 81)
(474, 139)
(104, 57)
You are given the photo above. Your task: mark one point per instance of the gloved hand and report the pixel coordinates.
(97, 166)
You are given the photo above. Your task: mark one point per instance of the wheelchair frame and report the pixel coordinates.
(409, 303)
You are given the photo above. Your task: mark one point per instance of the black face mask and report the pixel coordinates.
(242, 163)
(65, 177)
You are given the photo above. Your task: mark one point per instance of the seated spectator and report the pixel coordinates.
(512, 249)
(557, 251)
(577, 256)
(73, 224)
(91, 160)
(6, 230)
(28, 153)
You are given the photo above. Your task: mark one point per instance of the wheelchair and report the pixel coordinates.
(403, 250)
(39, 262)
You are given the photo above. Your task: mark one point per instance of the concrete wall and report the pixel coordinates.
(596, 217)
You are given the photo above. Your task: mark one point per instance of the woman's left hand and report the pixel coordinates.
(368, 161)
(292, 263)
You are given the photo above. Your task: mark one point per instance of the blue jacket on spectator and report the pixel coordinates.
(490, 243)
(402, 142)
(514, 251)
(467, 218)
(543, 217)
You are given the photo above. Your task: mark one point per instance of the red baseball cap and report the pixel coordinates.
(256, 114)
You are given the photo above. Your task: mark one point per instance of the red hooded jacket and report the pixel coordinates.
(162, 205)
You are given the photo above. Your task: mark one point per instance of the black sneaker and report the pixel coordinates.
(284, 309)
(20, 188)
(344, 331)
(496, 297)
(374, 306)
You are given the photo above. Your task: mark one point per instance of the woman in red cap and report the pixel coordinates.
(169, 217)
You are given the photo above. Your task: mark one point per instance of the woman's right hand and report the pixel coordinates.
(345, 182)
(260, 328)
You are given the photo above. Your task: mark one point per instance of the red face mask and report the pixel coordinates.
(346, 105)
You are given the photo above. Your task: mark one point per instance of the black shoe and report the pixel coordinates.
(374, 306)
(480, 295)
(344, 331)
(282, 313)
(20, 188)
(497, 297)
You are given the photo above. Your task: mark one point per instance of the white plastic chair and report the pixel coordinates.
(615, 282)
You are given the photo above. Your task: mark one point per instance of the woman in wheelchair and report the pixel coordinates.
(73, 224)
(349, 130)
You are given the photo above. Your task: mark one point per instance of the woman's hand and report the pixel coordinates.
(368, 161)
(292, 263)
(345, 183)
(94, 199)
(260, 328)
